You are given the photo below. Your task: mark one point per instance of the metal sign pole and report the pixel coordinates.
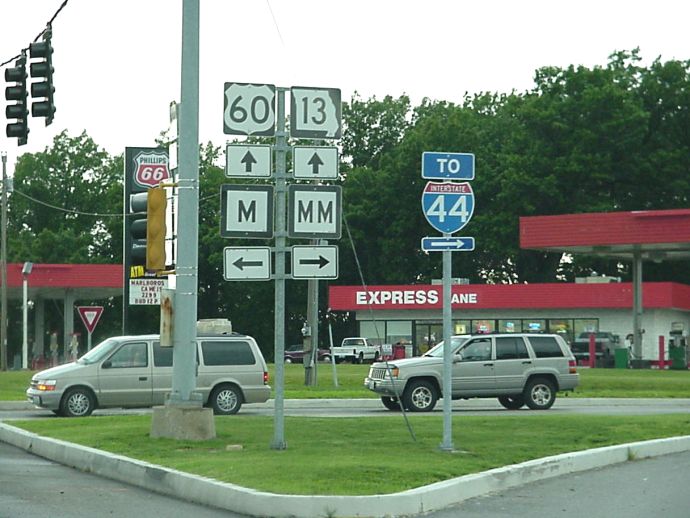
(447, 444)
(281, 149)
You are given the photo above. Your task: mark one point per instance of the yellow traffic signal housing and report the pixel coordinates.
(155, 228)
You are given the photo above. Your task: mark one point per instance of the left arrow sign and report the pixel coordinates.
(251, 263)
(241, 263)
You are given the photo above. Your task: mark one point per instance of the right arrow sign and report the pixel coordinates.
(315, 262)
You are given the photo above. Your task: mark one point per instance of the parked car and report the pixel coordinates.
(135, 371)
(517, 368)
(295, 354)
(605, 344)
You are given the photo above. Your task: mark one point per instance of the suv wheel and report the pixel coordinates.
(512, 402)
(420, 396)
(77, 402)
(226, 400)
(539, 394)
(391, 403)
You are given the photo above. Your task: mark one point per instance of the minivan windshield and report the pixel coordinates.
(456, 342)
(100, 351)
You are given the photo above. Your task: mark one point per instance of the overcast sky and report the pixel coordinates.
(117, 62)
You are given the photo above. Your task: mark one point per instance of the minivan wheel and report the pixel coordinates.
(226, 400)
(77, 402)
(420, 396)
(539, 394)
(391, 403)
(512, 402)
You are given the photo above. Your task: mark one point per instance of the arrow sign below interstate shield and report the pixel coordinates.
(252, 263)
(452, 244)
(315, 262)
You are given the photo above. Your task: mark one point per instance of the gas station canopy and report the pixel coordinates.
(656, 235)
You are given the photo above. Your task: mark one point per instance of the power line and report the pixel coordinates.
(81, 213)
(48, 25)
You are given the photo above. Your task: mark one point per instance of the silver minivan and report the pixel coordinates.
(135, 371)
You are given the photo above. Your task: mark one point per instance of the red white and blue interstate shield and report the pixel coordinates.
(447, 206)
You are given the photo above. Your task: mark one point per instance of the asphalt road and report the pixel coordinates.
(373, 407)
(639, 489)
(31, 486)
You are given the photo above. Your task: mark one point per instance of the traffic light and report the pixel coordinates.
(17, 113)
(155, 229)
(147, 229)
(42, 70)
(137, 228)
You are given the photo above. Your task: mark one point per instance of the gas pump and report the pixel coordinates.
(678, 348)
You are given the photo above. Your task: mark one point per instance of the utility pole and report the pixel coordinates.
(3, 267)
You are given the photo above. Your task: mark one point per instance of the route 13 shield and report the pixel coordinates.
(448, 207)
(151, 168)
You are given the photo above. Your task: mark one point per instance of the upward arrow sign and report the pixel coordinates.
(248, 161)
(315, 162)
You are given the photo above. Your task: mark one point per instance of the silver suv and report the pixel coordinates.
(135, 371)
(517, 368)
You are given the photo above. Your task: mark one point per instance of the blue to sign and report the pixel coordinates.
(447, 166)
(448, 207)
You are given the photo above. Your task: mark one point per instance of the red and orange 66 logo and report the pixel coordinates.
(151, 168)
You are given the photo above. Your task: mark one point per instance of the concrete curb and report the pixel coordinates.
(256, 503)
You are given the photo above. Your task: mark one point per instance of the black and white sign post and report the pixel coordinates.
(448, 207)
(247, 211)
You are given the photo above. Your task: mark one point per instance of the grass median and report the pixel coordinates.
(593, 383)
(357, 456)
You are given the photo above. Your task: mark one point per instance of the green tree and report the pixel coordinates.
(67, 204)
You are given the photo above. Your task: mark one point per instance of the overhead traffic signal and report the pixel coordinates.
(43, 71)
(17, 112)
(147, 229)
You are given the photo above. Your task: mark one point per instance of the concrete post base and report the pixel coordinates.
(191, 423)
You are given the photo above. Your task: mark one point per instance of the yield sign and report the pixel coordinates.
(90, 316)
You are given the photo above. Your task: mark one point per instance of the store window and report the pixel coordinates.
(534, 325)
(483, 326)
(375, 331)
(426, 336)
(398, 331)
(585, 325)
(562, 327)
(509, 326)
(461, 327)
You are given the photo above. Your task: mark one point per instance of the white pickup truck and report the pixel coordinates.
(356, 350)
